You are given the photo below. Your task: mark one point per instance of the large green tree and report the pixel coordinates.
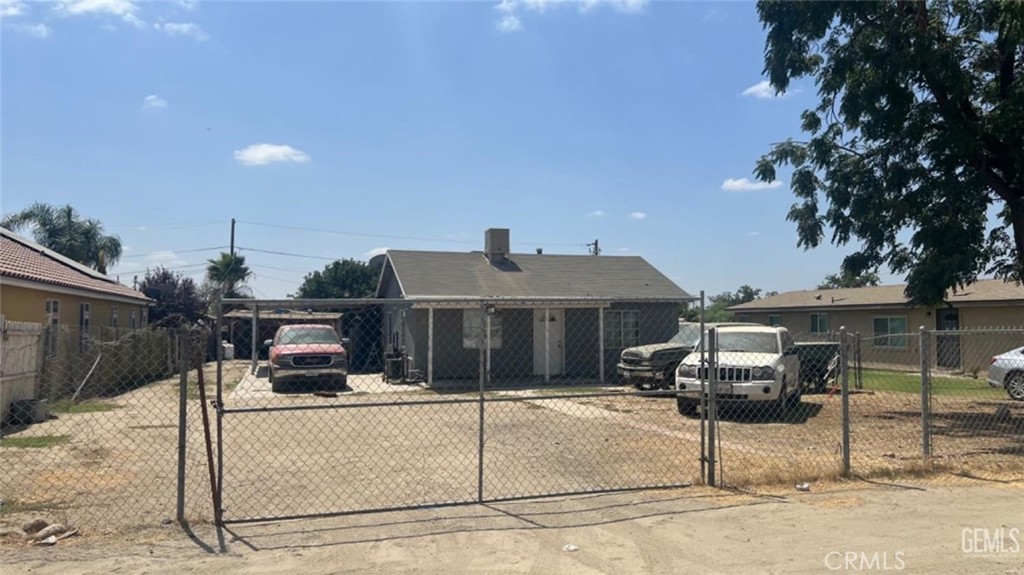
(717, 310)
(177, 297)
(340, 279)
(63, 230)
(228, 273)
(845, 280)
(915, 149)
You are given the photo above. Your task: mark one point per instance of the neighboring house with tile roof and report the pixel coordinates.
(881, 314)
(551, 316)
(41, 286)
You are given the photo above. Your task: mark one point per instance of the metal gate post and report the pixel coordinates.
(182, 409)
(926, 384)
(712, 391)
(484, 324)
(703, 401)
(218, 513)
(844, 367)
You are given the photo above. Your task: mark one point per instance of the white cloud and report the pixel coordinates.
(260, 154)
(10, 8)
(35, 30)
(187, 4)
(153, 101)
(141, 228)
(622, 250)
(164, 258)
(375, 252)
(510, 19)
(126, 10)
(188, 29)
(764, 91)
(638, 215)
(753, 234)
(745, 185)
(596, 214)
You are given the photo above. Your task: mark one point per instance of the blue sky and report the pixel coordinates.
(409, 126)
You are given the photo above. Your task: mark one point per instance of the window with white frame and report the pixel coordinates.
(621, 328)
(473, 329)
(890, 331)
(113, 316)
(84, 322)
(52, 326)
(774, 320)
(819, 323)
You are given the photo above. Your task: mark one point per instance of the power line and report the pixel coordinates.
(245, 249)
(390, 237)
(175, 252)
(157, 266)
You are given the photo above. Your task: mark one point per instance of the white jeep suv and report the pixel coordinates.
(755, 363)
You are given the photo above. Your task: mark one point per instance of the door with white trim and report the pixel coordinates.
(548, 341)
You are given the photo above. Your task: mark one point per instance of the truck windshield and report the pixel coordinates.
(747, 342)
(308, 335)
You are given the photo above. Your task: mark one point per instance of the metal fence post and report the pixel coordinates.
(218, 513)
(712, 391)
(481, 423)
(703, 402)
(844, 358)
(182, 421)
(926, 384)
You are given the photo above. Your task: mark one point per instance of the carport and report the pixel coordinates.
(247, 329)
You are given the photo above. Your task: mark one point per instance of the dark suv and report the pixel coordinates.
(653, 366)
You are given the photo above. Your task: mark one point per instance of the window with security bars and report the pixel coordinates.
(890, 331)
(84, 321)
(52, 326)
(113, 316)
(819, 323)
(774, 320)
(473, 330)
(621, 328)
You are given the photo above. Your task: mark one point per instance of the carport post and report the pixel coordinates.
(254, 349)
(926, 406)
(844, 366)
(600, 343)
(430, 346)
(183, 354)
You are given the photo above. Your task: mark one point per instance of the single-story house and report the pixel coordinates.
(39, 287)
(551, 317)
(881, 314)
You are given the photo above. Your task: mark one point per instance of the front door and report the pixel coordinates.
(947, 347)
(548, 341)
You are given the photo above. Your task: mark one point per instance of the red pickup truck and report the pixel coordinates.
(307, 351)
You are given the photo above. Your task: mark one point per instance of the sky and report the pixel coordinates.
(339, 129)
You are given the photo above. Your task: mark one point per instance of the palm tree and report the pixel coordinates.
(63, 230)
(229, 273)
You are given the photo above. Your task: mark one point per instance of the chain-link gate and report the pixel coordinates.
(335, 406)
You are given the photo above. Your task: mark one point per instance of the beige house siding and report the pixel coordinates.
(975, 350)
(19, 303)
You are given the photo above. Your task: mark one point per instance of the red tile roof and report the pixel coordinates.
(23, 259)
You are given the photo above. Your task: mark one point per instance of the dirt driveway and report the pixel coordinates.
(879, 528)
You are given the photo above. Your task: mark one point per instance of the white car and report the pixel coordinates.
(755, 363)
(1007, 371)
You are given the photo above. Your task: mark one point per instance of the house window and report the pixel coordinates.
(774, 320)
(819, 323)
(621, 328)
(743, 318)
(133, 319)
(890, 331)
(52, 326)
(113, 316)
(84, 321)
(473, 330)
(145, 316)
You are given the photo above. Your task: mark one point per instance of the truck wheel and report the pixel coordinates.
(781, 402)
(794, 398)
(687, 407)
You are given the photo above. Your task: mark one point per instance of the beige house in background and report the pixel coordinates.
(882, 315)
(41, 286)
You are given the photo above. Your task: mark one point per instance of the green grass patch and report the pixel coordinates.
(34, 441)
(900, 382)
(87, 406)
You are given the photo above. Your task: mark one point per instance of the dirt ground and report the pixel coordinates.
(880, 527)
(114, 472)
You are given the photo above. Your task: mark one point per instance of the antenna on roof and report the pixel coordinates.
(595, 248)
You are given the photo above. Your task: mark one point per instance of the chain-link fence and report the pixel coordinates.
(303, 408)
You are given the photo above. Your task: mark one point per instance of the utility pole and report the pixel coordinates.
(595, 248)
(232, 237)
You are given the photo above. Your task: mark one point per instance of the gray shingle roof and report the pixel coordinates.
(982, 291)
(470, 274)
